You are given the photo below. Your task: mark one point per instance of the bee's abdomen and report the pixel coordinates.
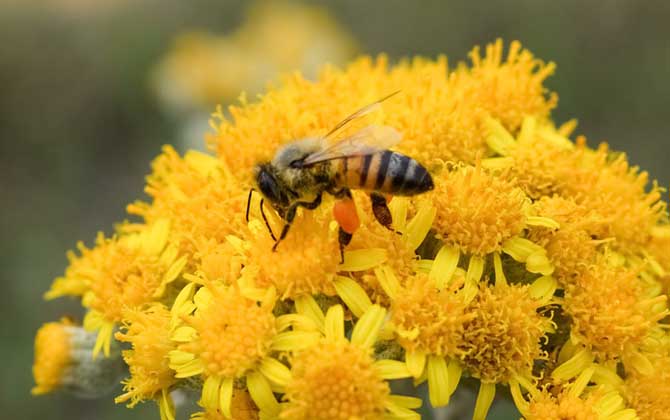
(387, 172)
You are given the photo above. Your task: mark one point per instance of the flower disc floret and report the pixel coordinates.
(477, 211)
(503, 339)
(335, 380)
(233, 332)
(429, 320)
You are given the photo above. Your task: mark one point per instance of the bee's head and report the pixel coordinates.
(269, 185)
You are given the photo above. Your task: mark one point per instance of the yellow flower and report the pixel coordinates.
(478, 214)
(199, 196)
(503, 340)
(148, 331)
(74, 282)
(377, 248)
(547, 162)
(134, 270)
(570, 248)
(337, 378)
(611, 315)
(436, 113)
(63, 361)
(647, 393)
(203, 69)
(306, 262)
(53, 355)
(573, 400)
(242, 408)
(429, 324)
(230, 336)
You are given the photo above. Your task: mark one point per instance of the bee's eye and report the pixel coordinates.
(296, 164)
(268, 186)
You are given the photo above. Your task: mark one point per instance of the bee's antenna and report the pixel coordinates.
(265, 219)
(251, 191)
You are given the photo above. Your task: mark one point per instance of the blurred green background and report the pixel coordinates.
(79, 124)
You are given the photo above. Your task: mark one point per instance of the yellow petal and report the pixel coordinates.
(538, 262)
(391, 369)
(455, 370)
(294, 340)
(444, 266)
(498, 138)
(438, 381)
(580, 383)
(363, 259)
(484, 399)
(475, 269)
(307, 306)
(398, 207)
(275, 371)
(542, 222)
(388, 281)
(334, 324)
(210, 392)
(543, 288)
(419, 226)
(367, 328)
(352, 294)
(295, 321)
(261, 393)
(520, 248)
(574, 366)
(166, 406)
(501, 280)
(416, 362)
(226, 397)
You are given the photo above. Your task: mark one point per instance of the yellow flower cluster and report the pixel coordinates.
(536, 263)
(203, 69)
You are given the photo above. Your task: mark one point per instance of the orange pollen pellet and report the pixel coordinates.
(345, 213)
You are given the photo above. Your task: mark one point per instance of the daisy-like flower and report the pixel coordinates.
(200, 197)
(374, 249)
(504, 338)
(305, 262)
(611, 315)
(189, 76)
(134, 270)
(545, 162)
(63, 361)
(148, 331)
(242, 407)
(477, 215)
(230, 337)
(338, 378)
(429, 324)
(300, 108)
(570, 249)
(572, 400)
(647, 393)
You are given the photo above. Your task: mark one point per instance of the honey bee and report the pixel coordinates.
(301, 171)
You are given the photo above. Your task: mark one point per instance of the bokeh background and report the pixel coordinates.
(81, 117)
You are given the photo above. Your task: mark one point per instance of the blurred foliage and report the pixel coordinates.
(79, 124)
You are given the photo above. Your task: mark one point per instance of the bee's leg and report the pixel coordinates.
(381, 210)
(251, 191)
(265, 219)
(290, 215)
(310, 205)
(343, 238)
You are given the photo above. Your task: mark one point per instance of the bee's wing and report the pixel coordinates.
(367, 141)
(358, 114)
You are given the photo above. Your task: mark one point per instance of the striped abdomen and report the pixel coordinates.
(386, 172)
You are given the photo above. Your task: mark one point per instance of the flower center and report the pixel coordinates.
(335, 380)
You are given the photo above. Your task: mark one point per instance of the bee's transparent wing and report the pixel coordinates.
(358, 114)
(367, 141)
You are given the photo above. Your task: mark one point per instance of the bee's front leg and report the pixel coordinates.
(290, 215)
